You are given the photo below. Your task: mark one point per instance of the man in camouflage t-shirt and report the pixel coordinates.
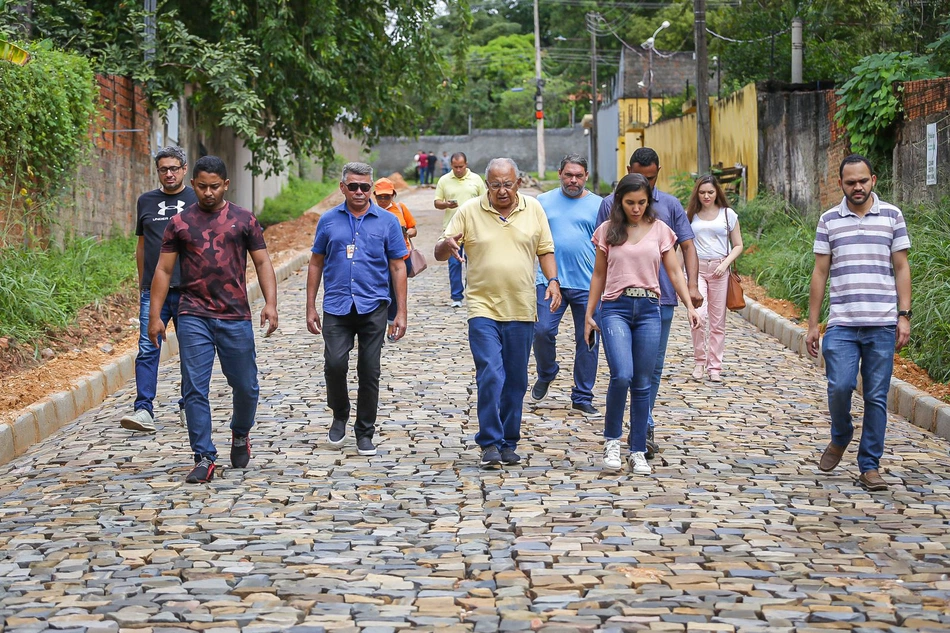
(212, 240)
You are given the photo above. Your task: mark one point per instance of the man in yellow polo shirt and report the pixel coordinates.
(455, 189)
(504, 234)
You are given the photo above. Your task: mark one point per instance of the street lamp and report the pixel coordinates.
(649, 45)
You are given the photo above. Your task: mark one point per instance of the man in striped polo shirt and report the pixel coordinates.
(862, 245)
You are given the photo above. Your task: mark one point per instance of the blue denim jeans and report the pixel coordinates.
(456, 283)
(146, 361)
(844, 349)
(545, 334)
(199, 338)
(501, 350)
(631, 331)
(666, 320)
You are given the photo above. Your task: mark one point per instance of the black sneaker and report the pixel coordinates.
(202, 473)
(364, 446)
(652, 447)
(540, 390)
(240, 450)
(509, 457)
(337, 432)
(491, 458)
(586, 408)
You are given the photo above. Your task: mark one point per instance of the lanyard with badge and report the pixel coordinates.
(355, 229)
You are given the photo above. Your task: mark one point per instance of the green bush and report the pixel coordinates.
(42, 290)
(294, 200)
(778, 256)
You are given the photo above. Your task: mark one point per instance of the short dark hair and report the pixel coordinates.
(210, 165)
(645, 156)
(458, 155)
(854, 159)
(576, 159)
(171, 152)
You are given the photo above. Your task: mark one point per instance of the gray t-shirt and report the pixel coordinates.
(154, 209)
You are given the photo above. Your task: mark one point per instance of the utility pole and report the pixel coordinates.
(703, 160)
(594, 176)
(796, 50)
(539, 99)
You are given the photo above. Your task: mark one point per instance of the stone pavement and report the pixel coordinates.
(736, 530)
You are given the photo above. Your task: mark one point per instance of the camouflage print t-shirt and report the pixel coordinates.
(212, 248)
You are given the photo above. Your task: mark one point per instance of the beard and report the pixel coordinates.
(858, 201)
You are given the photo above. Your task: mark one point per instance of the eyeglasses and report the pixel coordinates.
(169, 170)
(362, 186)
(495, 186)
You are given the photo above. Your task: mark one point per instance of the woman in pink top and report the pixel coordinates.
(631, 244)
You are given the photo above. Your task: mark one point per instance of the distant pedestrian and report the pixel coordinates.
(356, 235)
(446, 163)
(212, 240)
(631, 246)
(453, 190)
(431, 161)
(385, 191)
(423, 161)
(861, 245)
(668, 209)
(505, 234)
(571, 211)
(715, 226)
(153, 212)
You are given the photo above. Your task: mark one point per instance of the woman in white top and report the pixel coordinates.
(715, 225)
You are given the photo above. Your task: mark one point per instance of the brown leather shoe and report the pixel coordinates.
(831, 457)
(872, 480)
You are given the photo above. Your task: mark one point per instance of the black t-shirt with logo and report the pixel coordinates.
(155, 209)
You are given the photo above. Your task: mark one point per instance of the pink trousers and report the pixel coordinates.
(709, 339)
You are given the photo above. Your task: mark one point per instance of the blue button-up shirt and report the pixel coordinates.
(667, 208)
(361, 280)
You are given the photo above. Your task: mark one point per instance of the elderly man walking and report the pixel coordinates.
(862, 246)
(504, 234)
(572, 214)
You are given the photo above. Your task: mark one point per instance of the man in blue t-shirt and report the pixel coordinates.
(668, 209)
(571, 211)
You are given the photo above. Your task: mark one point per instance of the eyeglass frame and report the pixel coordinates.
(174, 169)
(498, 186)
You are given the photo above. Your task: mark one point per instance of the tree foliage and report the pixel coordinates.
(276, 71)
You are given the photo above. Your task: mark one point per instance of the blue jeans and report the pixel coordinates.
(391, 310)
(545, 334)
(501, 350)
(455, 277)
(666, 320)
(631, 331)
(199, 338)
(146, 361)
(844, 348)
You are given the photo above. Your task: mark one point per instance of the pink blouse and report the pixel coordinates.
(634, 265)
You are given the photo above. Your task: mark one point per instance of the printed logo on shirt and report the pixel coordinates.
(179, 207)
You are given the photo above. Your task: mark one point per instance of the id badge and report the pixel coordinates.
(350, 250)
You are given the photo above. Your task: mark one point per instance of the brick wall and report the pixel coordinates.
(670, 74)
(118, 168)
(925, 102)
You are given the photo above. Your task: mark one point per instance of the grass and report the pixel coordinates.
(294, 199)
(778, 255)
(43, 290)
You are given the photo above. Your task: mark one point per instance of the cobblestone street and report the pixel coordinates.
(736, 530)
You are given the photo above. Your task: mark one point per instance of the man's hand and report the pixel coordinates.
(695, 296)
(156, 331)
(313, 320)
(553, 294)
(903, 332)
(398, 329)
(811, 340)
(269, 315)
(452, 243)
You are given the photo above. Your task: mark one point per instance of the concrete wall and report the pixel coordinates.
(608, 142)
(394, 154)
(924, 102)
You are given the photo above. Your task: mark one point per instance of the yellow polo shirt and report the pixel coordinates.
(459, 189)
(502, 257)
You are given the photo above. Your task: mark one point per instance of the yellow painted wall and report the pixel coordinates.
(734, 138)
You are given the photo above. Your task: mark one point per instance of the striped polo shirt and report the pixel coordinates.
(863, 290)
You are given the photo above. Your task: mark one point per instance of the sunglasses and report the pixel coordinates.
(362, 186)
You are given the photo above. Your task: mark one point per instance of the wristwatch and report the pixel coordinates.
(554, 279)
(905, 313)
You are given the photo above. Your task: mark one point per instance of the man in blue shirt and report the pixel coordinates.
(571, 211)
(357, 247)
(667, 208)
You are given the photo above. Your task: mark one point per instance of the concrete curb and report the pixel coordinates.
(921, 409)
(42, 419)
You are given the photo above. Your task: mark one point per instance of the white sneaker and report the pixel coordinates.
(612, 455)
(639, 464)
(141, 420)
(456, 304)
(181, 418)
